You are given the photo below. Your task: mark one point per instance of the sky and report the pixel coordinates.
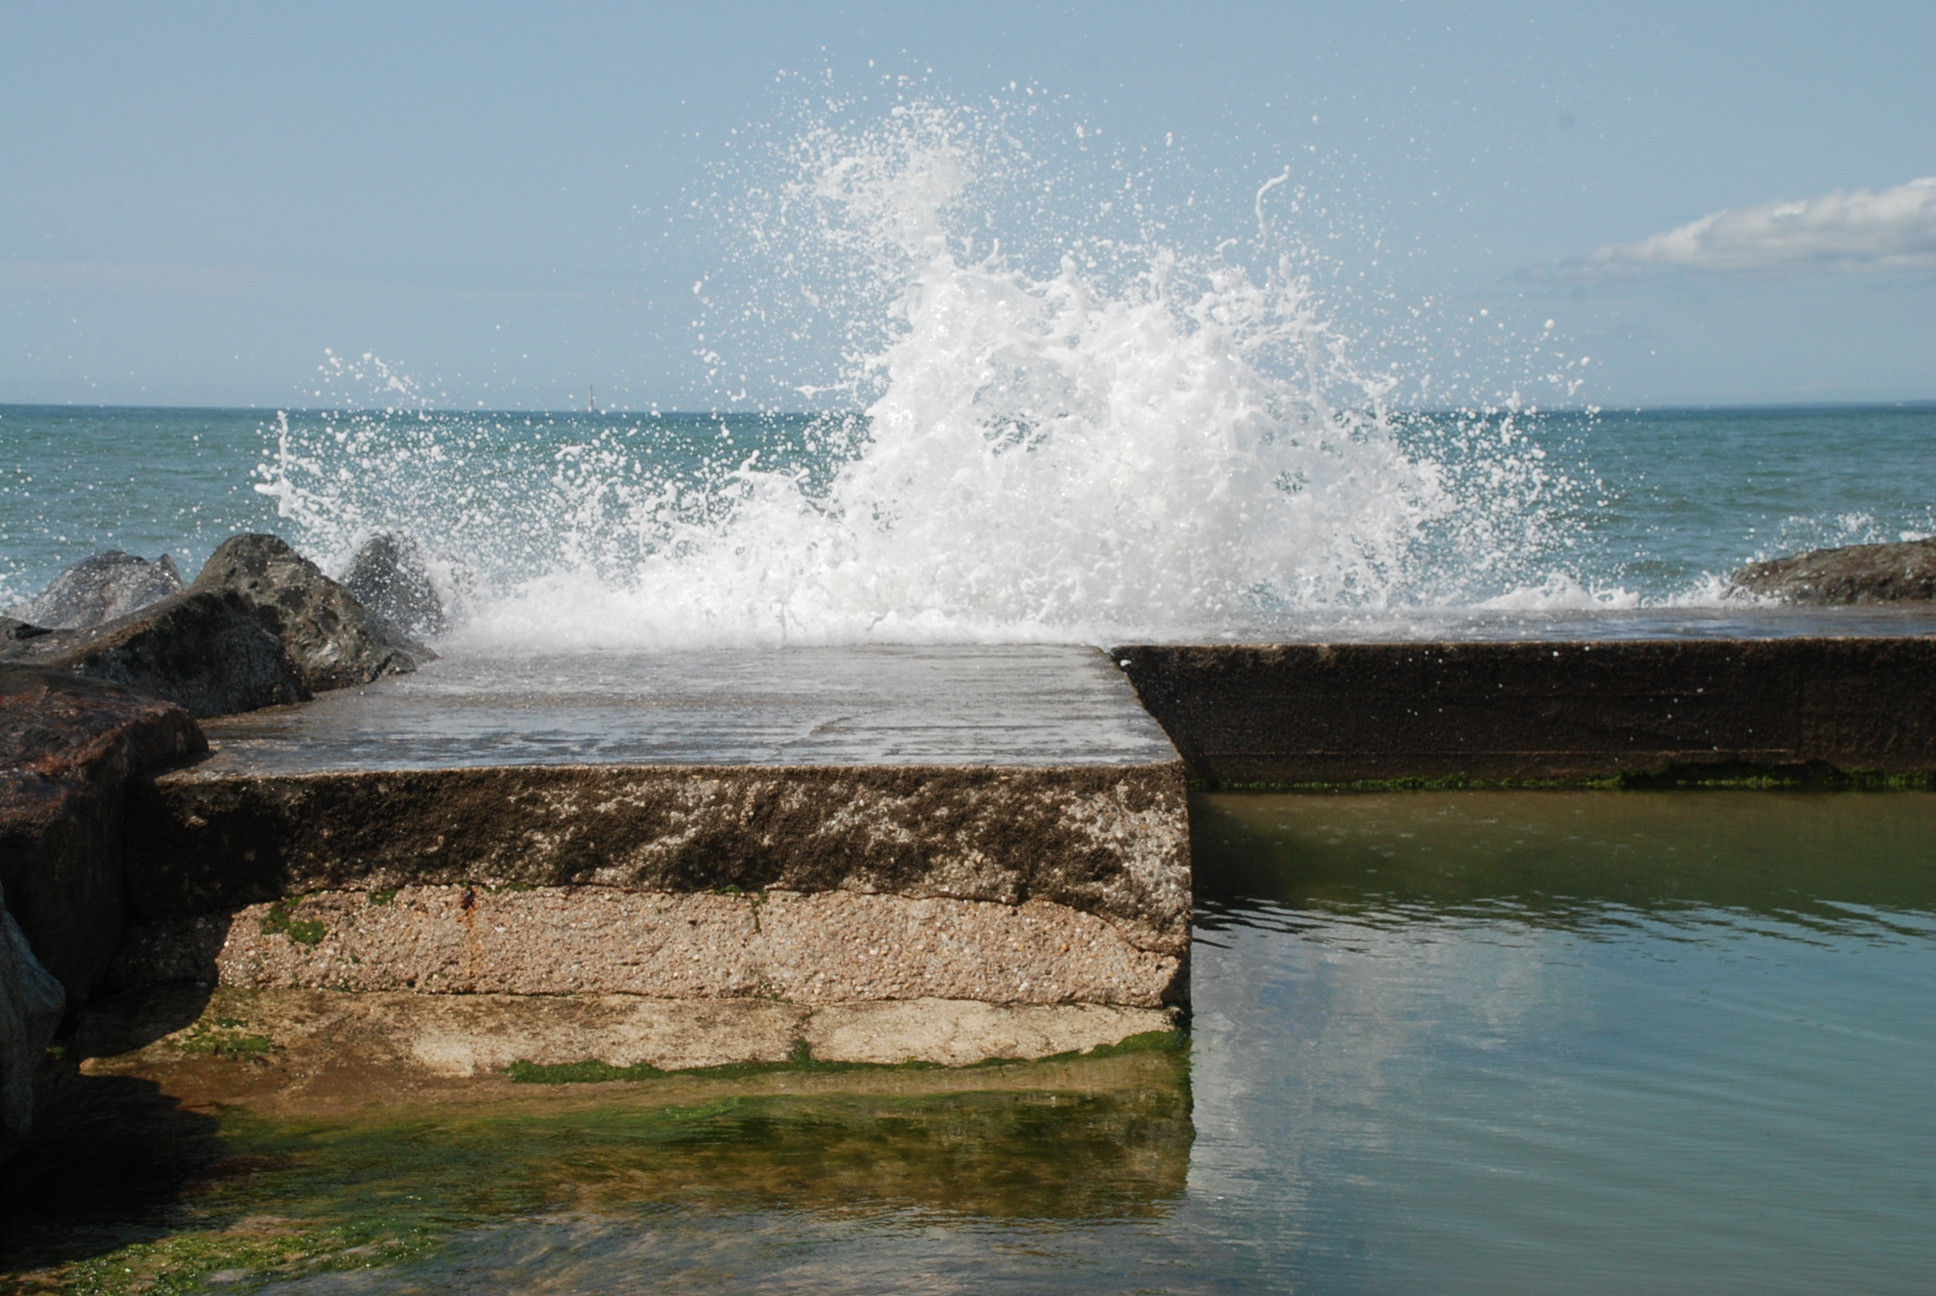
(509, 205)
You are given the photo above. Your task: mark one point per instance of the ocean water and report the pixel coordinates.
(1454, 1042)
(682, 529)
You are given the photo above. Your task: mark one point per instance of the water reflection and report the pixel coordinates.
(1499, 1042)
(1022, 1150)
(1596, 863)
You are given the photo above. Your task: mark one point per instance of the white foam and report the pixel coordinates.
(1155, 442)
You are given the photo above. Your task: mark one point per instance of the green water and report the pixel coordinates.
(1468, 1042)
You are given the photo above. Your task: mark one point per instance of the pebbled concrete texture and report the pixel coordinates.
(1290, 713)
(824, 947)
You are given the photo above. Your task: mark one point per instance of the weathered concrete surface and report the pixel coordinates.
(1871, 573)
(68, 747)
(981, 706)
(1341, 712)
(31, 1004)
(1108, 841)
(823, 947)
(962, 1032)
(333, 640)
(977, 774)
(101, 588)
(207, 651)
(481, 1035)
(325, 1051)
(1003, 825)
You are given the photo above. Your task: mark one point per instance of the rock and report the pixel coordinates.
(1872, 573)
(102, 588)
(31, 1006)
(390, 575)
(12, 630)
(206, 650)
(68, 747)
(332, 638)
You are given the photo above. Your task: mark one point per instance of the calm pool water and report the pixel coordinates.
(1465, 1042)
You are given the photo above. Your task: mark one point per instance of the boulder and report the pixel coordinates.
(31, 1005)
(205, 650)
(102, 588)
(334, 641)
(13, 631)
(390, 575)
(1871, 573)
(68, 747)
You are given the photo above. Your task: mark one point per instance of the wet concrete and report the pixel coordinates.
(872, 706)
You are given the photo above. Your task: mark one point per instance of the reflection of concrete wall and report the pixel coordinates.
(1339, 712)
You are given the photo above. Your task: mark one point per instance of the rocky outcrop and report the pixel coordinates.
(390, 575)
(206, 651)
(1873, 573)
(31, 1004)
(68, 748)
(102, 588)
(334, 641)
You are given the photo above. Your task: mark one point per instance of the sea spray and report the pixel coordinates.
(1132, 439)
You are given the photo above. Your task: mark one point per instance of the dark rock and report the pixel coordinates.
(390, 575)
(102, 588)
(68, 747)
(205, 650)
(31, 1005)
(12, 630)
(1872, 573)
(333, 639)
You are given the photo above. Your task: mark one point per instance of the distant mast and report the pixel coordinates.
(591, 402)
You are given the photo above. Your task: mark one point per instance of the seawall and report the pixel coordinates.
(1339, 713)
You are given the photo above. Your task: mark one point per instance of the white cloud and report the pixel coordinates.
(1859, 230)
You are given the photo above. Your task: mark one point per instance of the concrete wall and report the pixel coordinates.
(1335, 713)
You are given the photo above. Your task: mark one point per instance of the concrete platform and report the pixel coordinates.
(819, 827)
(995, 706)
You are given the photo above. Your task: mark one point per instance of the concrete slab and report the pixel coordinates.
(958, 705)
(1000, 825)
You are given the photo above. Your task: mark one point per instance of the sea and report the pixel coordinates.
(608, 530)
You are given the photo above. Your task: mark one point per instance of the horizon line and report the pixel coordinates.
(1605, 407)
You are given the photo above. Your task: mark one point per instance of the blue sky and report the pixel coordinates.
(204, 201)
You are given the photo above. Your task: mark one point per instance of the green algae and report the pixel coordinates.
(280, 922)
(235, 1199)
(226, 1038)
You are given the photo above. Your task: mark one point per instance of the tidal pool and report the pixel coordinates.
(1486, 1041)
